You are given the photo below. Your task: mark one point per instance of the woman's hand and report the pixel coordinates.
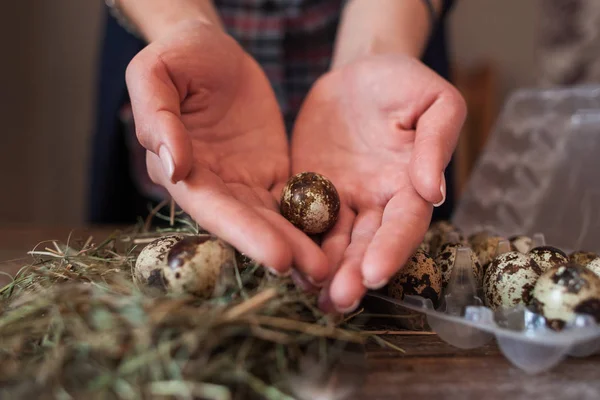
(383, 129)
(209, 119)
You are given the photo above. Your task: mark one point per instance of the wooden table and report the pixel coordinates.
(430, 369)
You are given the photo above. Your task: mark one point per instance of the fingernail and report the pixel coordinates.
(346, 310)
(375, 286)
(303, 282)
(315, 282)
(167, 161)
(278, 273)
(325, 302)
(443, 191)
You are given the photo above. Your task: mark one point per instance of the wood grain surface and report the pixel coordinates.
(429, 368)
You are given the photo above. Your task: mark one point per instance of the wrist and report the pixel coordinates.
(153, 19)
(372, 47)
(387, 27)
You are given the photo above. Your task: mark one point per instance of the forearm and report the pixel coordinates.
(383, 26)
(153, 18)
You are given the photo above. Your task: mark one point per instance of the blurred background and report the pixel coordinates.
(50, 56)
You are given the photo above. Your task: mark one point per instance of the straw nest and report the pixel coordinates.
(73, 324)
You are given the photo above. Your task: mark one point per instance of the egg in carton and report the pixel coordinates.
(582, 257)
(526, 281)
(594, 266)
(521, 243)
(420, 276)
(486, 243)
(446, 259)
(509, 280)
(519, 317)
(548, 256)
(564, 291)
(433, 279)
(511, 275)
(588, 259)
(440, 233)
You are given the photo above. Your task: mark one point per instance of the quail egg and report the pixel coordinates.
(509, 280)
(419, 277)
(594, 266)
(582, 257)
(310, 202)
(446, 258)
(564, 291)
(424, 246)
(486, 246)
(478, 237)
(547, 256)
(440, 232)
(149, 263)
(521, 243)
(195, 265)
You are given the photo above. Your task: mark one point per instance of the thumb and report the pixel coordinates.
(436, 137)
(155, 101)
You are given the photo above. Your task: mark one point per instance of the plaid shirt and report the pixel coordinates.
(291, 39)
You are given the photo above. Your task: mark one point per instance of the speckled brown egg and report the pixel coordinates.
(424, 246)
(439, 233)
(149, 263)
(509, 280)
(420, 276)
(446, 258)
(521, 243)
(594, 266)
(564, 291)
(582, 257)
(478, 237)
(485, 246)
(548, 256)
(195, 264)
(310, 202)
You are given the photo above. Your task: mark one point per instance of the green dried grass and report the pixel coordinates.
(73, 324)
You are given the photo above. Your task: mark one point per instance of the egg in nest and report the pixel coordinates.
(564, 291)
(509, 280)
(446, 258)
(196, 263)
(152, 259)
(548, 256)
(310, 202)
(420, 276)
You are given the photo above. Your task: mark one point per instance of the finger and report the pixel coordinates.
(337, 240)
(405, 221)
(438, 129)
(301, 282)
(267, 199)
(347, 287)
(155, 101)
(207, 200)
(308, 257)
(277, 190)
(246, 195)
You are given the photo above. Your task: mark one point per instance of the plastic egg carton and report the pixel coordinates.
(540, 170)
(462, 320)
